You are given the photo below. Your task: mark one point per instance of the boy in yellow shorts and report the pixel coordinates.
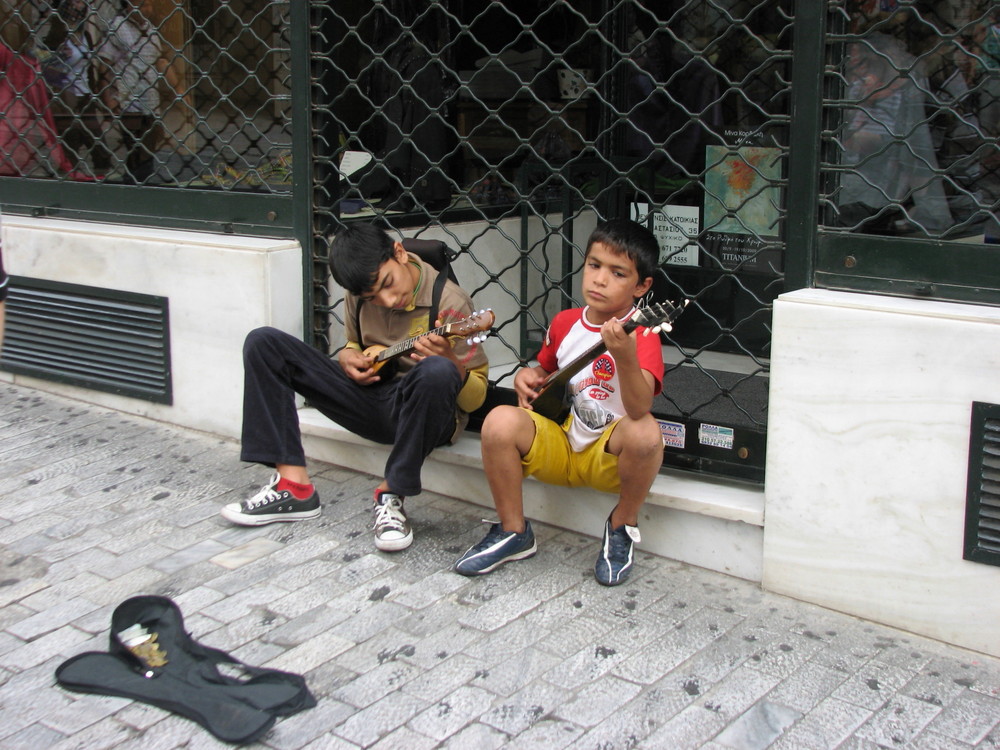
(609, 441)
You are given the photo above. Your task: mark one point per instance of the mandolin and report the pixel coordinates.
(551, 400)
(468, 328)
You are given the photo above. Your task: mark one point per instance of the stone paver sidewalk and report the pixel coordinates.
(400, 652)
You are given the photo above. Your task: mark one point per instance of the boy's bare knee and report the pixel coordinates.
(503, 422)
(641, 437)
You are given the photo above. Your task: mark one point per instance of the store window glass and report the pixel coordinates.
(456, 105)
(916, 120)
(181, 93)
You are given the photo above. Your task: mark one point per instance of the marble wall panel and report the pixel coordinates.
(868, 439)
(219, 287)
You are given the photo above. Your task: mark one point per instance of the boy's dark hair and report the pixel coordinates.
(632, 239)
(356, 253)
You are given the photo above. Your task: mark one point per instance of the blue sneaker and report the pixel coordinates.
(614, 564)
(497, 547)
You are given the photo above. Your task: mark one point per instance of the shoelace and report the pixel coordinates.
(495, 534)
(619, 543)
(387, 513)
(266, 495)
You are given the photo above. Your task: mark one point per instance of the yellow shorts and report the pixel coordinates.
(553, 461)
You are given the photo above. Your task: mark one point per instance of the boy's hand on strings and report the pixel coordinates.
(358, 367)
(527, 381)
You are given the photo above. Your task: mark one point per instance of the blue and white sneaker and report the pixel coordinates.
(614, 563)
(497, 548)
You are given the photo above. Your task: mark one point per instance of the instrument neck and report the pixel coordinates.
(401, 347)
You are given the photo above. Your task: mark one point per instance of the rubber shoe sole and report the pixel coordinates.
(394, 545)
(512, 558)
(272, 506)
(234, 514)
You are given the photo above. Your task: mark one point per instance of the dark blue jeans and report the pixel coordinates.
(414, 413)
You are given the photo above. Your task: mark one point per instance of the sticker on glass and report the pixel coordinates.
(715, 436)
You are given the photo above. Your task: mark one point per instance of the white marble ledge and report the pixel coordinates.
(147, 234)
(704, 496)
(898, 305)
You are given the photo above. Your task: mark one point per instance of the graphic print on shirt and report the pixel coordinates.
(418, 325)
(593, 388)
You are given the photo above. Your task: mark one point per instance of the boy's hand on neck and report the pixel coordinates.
(620, 344)
(434, 345)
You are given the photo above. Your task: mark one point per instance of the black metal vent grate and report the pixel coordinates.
(982, 510)
(102, 339)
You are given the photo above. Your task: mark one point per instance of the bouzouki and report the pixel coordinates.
(551, 400)
(467, 328)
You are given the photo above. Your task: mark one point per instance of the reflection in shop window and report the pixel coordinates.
(921, 115)
(184, 93)
(467, 105)
(487, 105)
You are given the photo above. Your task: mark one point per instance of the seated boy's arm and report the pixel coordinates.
(637, 392)
(435, 345)
(638, 386)
(473, 393)
(468, 357)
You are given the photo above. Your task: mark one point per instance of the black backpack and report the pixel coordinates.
(434, 253)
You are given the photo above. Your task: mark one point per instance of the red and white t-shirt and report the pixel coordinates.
(595, 390)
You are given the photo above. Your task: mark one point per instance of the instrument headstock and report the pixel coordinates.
(474, 328)
(659, 316)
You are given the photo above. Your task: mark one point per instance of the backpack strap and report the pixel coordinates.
(357, 323)
(439, 282)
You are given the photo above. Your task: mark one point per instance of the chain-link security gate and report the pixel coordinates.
(508, 129)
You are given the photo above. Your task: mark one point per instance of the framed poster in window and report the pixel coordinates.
(742, 207)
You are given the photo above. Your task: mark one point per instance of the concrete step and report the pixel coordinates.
(709, 523)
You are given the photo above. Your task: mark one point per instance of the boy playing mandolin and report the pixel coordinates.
(610, 441)
(417, 402)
